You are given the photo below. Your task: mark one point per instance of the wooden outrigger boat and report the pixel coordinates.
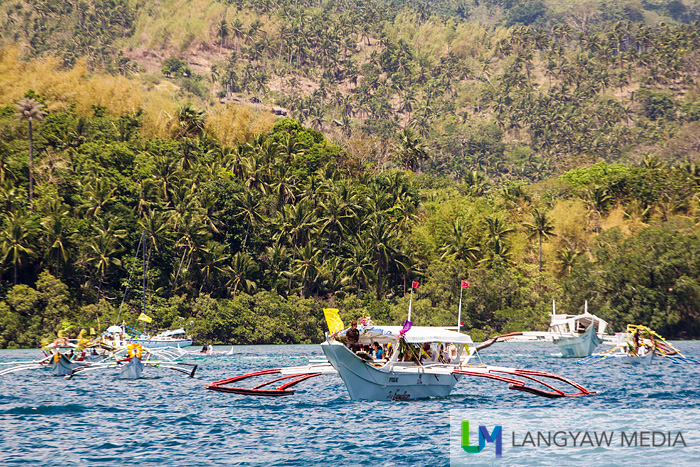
(66, 358)
(416, 368)
(134, 359)
(640, 346)
(64, 355)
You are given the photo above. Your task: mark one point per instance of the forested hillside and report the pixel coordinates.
(542, 151)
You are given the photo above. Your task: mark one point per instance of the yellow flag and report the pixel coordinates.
(333, 319)
(145, 317)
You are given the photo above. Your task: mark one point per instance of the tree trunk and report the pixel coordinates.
(31, 167)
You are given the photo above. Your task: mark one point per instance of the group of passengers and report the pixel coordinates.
(425, 355)
(376, 350)
(429, 354)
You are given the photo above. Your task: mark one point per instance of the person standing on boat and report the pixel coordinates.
(353, 337)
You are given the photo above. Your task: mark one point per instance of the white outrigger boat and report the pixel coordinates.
(640, 346)
(62, 356)
(174, 338)
(131, 361)
(171, 339)
(67, 358)
(581, 338)
(405, 375)
(575, 335)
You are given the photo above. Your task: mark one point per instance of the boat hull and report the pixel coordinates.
(132, 370)
(63, 366)
(578, 346)
(161, 343)
(367, 382)
(644, 360)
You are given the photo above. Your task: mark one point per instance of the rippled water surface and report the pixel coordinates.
(167, 418)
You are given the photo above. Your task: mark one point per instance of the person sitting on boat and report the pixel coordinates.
(353, 337)
(377, 352)
(428, 355)
(388, 351)
(204, 349)
(444, 357)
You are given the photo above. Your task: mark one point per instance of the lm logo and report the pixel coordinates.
(484, 437)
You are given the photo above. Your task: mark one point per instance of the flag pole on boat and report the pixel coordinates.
(414, 285)
(464, 285)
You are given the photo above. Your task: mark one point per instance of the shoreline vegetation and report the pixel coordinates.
(537, 153)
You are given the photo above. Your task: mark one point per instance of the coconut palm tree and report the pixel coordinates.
(222, 32)
(459, 245)
(213, 257)
(58, 236)
(16, 240)
(359, 268)
(567, 257)
(241, 273)
(542, 228)
(248, 209)
(383, 237)
(30, 110)
(190, 121)
(102, 255)
(237, 32)
(410, 150)
(306, 268)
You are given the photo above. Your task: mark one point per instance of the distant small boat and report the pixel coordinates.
(578, 345)
(175, 338)
(67, 358)
(131, 361)
(575, 335)
(640, 346)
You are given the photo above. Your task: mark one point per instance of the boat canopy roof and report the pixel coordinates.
(173, 332)
(115, 329)
(577, 323)
(415, 335)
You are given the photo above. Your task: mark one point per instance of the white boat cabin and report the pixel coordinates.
(576, 324)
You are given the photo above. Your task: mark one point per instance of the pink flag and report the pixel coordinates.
(465, 284)
(415, 285)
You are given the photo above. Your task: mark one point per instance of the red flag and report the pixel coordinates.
(415, 285)
(465, 284)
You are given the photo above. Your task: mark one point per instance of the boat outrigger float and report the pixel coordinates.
(426, 362)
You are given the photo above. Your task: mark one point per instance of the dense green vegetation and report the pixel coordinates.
(539, 151)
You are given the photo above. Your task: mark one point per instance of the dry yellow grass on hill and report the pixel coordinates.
(62, 88)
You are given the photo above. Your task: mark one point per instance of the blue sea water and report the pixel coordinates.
(166, 418)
